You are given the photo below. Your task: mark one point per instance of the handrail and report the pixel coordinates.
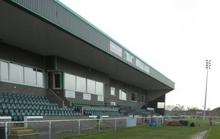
(72, 120)
(57, 97)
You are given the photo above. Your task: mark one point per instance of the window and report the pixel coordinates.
(133, 96)
(16, 73)
(4, 71)
(91, 86)
(160, 105)
(142, 66)
(142, 98)
(112, 89)
(40, 79)
(122, 95)
(139, 64)
(30, 76)
(69, 82)
(146, 69)
(80, 84)
(115, 49)
(100, 91)
(57, 80)
(113, 103)
(86, 96)
(129, 57)
(99, 88)
(69, 85)
(69, 94)
(100, 98)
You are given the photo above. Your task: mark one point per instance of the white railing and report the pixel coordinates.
(51, 129)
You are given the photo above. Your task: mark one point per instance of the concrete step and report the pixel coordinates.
(21, 130)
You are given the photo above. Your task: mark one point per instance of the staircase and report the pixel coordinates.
(60, 100)
(23, 133)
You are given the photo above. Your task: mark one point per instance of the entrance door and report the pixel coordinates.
(55, 80)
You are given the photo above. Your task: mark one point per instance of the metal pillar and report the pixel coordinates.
(208, 65)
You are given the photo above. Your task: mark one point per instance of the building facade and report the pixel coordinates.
(44, 46)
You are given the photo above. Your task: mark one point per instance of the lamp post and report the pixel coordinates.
(208, 67)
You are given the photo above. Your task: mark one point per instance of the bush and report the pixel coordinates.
(192, 124)
(184, 122)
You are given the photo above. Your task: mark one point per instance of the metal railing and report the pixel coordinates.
(55, 129)
(54, 97)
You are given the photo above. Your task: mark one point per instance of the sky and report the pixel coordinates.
(173, 36)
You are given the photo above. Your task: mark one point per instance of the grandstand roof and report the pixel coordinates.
(50, 28)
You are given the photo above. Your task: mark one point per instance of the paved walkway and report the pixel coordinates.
(201, 135)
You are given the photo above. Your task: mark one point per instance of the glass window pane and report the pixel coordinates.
(90, 86)
(30, 76)
(16, 73)
(100, 98)
(115, 49)
(99, 88)
(146, 69)
(86, 96)
(129, 57)
(69, 94)
(69, 82)
(113, 103)
(160, 105)
(112, 91)
(139, 64)
(122, 95)
(57, 81)
(80, 84)
(4, 71)
(40, 79)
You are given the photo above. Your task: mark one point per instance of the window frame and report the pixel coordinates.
(1, 71)
(89, 87)
(160, 105)
(66, 86)
(115, 49)
(113, 103)
(87, 96)
(102, 98)
(129, 57)
(122, 95)
(111, 89)
(66, 92)
(81, 89)
(22, 82)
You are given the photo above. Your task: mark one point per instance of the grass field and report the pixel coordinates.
(214, 132)
(144, 132)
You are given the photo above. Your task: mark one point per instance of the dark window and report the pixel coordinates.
(142, 98)
(57, 81)
(133, 97)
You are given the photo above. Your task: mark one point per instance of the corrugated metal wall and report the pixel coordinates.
(55, 13)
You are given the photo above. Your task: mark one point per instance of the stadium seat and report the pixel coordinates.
(19, 105)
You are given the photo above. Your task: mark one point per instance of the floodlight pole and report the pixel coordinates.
(207, 66)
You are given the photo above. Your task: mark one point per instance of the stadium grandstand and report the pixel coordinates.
(54, 63)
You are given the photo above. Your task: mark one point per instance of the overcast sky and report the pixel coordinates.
(173, 36)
